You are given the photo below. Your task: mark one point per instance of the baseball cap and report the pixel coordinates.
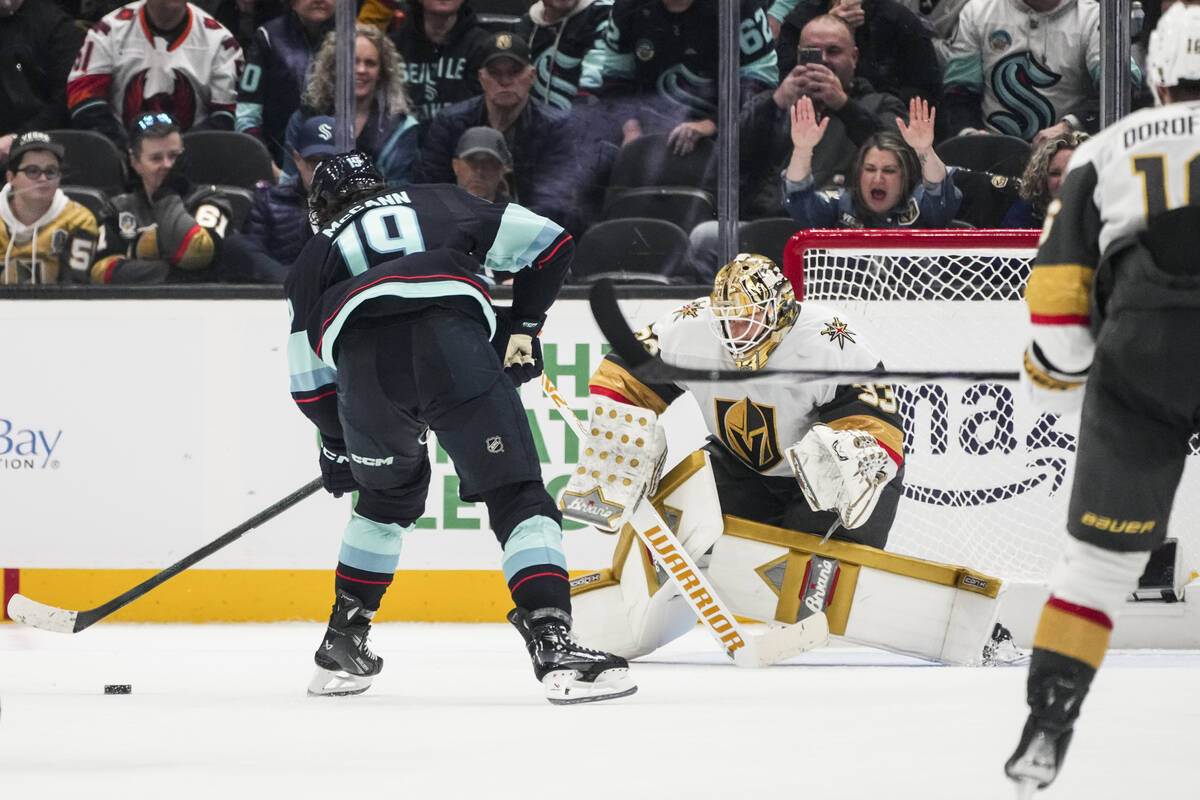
(32, 140)
(483, 140)
(505, 45)
(316, 137)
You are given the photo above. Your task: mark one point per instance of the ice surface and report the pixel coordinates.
(219, 711)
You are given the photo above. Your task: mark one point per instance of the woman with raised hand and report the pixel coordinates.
(896, 180)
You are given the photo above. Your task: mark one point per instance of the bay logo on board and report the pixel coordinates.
(24, 448)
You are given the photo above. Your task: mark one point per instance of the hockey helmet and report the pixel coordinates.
(1173, 55)
(339, 178)
(753, 307)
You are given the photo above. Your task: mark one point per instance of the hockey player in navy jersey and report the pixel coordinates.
(1114, 298)
(394, 335)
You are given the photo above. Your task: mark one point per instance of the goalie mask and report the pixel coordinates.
(1173, 56)
(753, 307)
(337, 183)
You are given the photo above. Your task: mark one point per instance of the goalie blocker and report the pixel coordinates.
(904, 605)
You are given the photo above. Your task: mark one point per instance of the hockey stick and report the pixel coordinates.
(647, 367)
(61, 620)
(746, 649)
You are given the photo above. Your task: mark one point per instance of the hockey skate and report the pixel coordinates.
(1054, 700)
(345, 664)
(1002, 651)
(570, 672)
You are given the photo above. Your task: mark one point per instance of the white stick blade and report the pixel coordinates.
(39, 615)
(780, 644)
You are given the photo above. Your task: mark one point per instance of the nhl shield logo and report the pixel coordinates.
(495, 444)
(748, 430)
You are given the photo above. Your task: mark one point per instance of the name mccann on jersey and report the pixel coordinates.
(390, 199)
(1184, 125)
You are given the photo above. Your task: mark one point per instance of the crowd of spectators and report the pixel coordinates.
(844, 106)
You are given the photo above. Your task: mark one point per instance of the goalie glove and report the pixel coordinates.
(621, 461)
(843, 471)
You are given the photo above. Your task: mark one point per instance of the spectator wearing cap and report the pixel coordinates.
(155, 55)
(383, 127)
(38, 42)
(277, 226)
(163, 228)
(536, 133)
(482, 163)
(45, 237)
(277, 60)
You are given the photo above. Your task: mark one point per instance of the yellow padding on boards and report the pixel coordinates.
(1072, 636)
(272, 595)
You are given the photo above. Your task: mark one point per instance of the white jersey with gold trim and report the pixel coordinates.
(758, 417)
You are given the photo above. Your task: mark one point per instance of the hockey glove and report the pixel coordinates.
(1050, 389)
(335, 467)
(516, 343)
(842, 471)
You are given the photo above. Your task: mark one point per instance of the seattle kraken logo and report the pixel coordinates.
(1015, 83)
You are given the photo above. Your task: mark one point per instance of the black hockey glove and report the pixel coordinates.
(335, 467)
(517, 344)
(522, 373)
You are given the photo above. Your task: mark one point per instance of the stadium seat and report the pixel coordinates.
(90, 159)
(685, 206)
(995, 153)
(227, 158)
(498, 23)
(91, 198)
(513, 8)
(650, 161)
(767, 236)
(630, 250)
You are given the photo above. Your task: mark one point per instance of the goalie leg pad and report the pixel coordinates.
(621, 461)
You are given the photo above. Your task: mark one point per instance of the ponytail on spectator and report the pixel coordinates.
(390, 94)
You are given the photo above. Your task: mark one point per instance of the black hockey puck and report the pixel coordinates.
(118, 688)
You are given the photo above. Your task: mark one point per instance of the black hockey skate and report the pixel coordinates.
(570, 672)
(1054, 701)
(345, 664)
(1002, 651)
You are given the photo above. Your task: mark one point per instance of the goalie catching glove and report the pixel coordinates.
(841, 470)
(621, 461)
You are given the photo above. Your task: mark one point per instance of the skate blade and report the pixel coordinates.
(563, 687)
(1026, 788)
(337, 683)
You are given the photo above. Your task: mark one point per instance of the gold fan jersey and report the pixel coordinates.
(54, 249)
(758, 417)
(122, 64)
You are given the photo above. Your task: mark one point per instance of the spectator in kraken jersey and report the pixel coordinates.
(163, 228)
(895, 50)
(535, 132)
(277, 228)
(564, 37)
(276, 66)
(383, 127)
(438, 47)
(660, 63)
(155, 55)
(38, 42)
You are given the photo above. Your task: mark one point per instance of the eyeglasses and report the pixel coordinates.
(148, 121)
(34, 172)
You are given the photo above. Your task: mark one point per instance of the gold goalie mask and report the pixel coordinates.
(753, 307)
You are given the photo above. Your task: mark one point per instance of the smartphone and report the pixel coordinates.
(810, 55)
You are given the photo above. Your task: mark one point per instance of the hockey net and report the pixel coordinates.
(987, 475)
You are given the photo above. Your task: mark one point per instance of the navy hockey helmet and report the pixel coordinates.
(338, 179)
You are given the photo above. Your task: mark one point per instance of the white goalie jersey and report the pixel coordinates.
(759, 417)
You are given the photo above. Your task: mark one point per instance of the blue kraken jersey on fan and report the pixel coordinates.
(566, 54)
(354, 269)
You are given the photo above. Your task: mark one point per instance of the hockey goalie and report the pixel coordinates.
(787, 507)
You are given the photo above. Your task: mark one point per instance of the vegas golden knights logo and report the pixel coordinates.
(748, 429)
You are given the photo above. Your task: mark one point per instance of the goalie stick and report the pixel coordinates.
(651, 368)
(61, 620)
(746, 649)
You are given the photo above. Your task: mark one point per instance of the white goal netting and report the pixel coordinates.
(987, 474)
